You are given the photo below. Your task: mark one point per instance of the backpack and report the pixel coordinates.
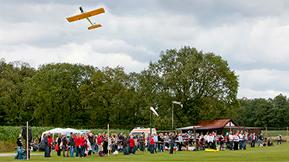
(42, 145)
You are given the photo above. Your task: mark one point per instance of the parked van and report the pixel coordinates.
(146, 131)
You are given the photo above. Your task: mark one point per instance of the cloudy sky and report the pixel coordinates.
(253, 36)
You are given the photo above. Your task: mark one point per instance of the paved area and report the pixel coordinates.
(14, 154)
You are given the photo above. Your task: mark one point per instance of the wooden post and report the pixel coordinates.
(172, 116)
(287, 135)
(195, 138)
(108, 139)
(27, 142)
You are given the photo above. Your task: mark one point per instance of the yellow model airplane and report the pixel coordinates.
(86, 15)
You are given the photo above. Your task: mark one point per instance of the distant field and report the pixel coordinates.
(275, 133)
(267, 154)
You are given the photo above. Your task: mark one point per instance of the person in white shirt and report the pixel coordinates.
(231, 144)
(241, 140)
(246, 136)
(236, 141)
(156, 140)
(180, 142)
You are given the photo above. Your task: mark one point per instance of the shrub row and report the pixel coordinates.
(10, 133)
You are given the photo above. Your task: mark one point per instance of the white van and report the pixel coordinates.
(146, 131)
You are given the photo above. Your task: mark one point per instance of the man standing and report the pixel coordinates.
(241, 140)
(246, 136)
(92, 141)
(156, 141)
(71, 144)
(142, 142)
(231, 143)
(180, 142)
(172, 143)
(46, 148)
(253, 139)
(58, 140)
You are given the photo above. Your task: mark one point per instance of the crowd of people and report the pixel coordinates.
(82, 145)
(231, 141)
(87, 144)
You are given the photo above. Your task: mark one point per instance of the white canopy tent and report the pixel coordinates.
(65, 131)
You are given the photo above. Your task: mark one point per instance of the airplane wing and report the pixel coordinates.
(85, 15)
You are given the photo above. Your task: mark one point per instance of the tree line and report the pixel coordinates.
(76, 95)
(260, 112)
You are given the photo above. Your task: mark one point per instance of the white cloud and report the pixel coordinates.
(249, 93)
(263, 82)
(252, 36)
(71, 53)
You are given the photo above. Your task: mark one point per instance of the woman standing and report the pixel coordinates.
(50, 141)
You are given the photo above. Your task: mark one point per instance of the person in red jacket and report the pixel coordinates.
(131, 145)
(99, 142)
(82, 145)
(152, 143)
(77, 145)
(50, 141)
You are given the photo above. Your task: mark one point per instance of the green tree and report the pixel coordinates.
(12, 78)
(53, 94)
(279, 112)
(203, 82)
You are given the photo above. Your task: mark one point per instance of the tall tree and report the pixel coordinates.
(203, 82)
(53, 94)
(12, 78)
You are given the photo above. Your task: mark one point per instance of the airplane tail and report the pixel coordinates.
(81, 9)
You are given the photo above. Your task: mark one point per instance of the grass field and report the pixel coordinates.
(278, 153)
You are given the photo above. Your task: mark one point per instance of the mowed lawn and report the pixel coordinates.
(268, 154)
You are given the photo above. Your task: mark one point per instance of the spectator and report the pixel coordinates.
(131, 145)
(50, 142)
(151, 144)
(58, 142)
(19, 154)
(279, 139)
(64, 145)
(46, 148)
(71, 144)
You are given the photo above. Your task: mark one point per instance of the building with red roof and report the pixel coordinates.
(219, 126)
